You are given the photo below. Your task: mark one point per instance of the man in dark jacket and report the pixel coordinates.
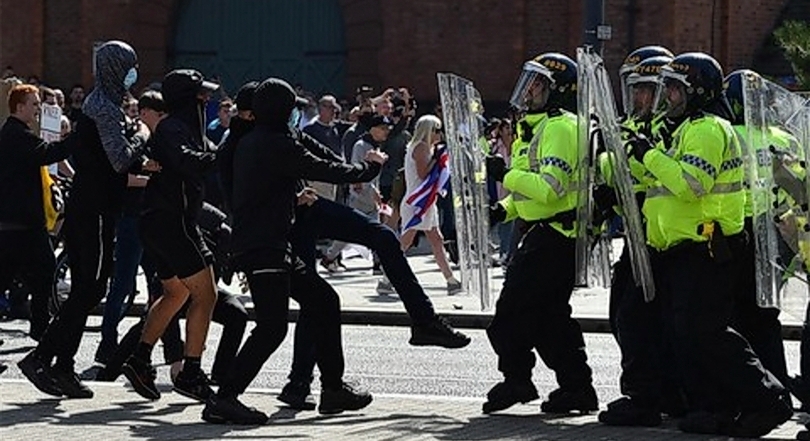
(268, 164)
(25, 247)
(170, 233)
(106, 155)
(241, 125)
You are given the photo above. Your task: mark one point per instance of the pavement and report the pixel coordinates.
(117, 413)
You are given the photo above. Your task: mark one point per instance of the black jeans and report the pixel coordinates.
(90, 240)
(533, 311)
(28, 256)
(275, 276)
(228, 312)
(719, 371)
(327, 219)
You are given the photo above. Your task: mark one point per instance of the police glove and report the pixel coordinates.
(497, 214)
(604, 197)
(640, 145)
(496, 168)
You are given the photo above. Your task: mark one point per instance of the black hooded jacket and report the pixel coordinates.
(185, 155)
(106, 151)
(239, 128)
(268, 165)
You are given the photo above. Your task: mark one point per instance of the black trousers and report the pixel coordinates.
(275, 276)
(760, 326)
(647, 376)
(718, 368)
(327, 219)
(90, 240)
(228, 312)
(533, 311)
(27, 255)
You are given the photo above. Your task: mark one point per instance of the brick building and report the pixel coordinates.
(395, 43)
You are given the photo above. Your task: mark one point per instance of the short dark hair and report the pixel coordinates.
(153, 100)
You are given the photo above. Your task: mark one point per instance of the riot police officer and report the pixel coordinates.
(533, 311)
(647, 385)
(760, 326)
(694, 214)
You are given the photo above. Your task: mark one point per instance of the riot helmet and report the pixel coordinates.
(547, 81)
(631, 61)
(645, 87)
(733, 87)
(693, 82)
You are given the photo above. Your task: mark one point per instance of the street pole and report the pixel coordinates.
(596, 32)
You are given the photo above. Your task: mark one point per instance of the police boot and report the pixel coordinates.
(566, 400)
(759, 423)
(627, 412)
(707, 423)
(508, 393)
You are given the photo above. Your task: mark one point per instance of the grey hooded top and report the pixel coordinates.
(113, 60)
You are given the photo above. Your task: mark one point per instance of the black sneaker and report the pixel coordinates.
(437, 332)
(105, 351)
(566, 401)
(141, 376)
(3, 367)
(229, 410)
(70, 384)
(347, 397)
(39, 374)
(626, 412)
(296, 394)
(193, 385)
(508, 393)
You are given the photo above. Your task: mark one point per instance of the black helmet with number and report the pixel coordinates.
(631, 61)
(733, 87)
(647, 72)
(560, 73)
(701, 76)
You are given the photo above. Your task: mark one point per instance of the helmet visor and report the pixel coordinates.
(644, 98)
(531, 73)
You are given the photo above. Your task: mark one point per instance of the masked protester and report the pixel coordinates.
(109, 150)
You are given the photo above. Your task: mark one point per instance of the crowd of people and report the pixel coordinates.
(194, 186)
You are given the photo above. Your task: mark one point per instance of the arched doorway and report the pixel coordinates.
(240, 40)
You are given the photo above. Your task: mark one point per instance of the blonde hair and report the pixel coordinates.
(424, 127)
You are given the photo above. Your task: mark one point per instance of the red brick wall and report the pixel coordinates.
(398, 43)
(21, 36)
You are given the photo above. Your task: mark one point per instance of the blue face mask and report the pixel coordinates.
(131, 78)
(295, 117)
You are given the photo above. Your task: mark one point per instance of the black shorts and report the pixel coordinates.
(175, 244)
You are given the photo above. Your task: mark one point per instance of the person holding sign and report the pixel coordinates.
(25, 248)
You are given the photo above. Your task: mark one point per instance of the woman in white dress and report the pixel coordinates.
(419, 159)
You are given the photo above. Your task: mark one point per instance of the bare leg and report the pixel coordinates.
(163, 310)
(406, 240)
(203, 295)
(434, 237)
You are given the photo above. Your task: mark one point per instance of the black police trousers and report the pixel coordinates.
(90, 241)
(533, 312)
(646, 376)
(275, 276)
(719, 370)
(760, 326)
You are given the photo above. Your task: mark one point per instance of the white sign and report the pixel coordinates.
(50, 119)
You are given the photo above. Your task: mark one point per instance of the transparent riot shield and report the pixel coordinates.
(462, 109)
(602, 105)
(586, 261)
(775, 120)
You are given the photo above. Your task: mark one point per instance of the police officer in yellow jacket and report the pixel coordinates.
(533, 311)
(694, 215)
(760, 326)
(647, 384)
